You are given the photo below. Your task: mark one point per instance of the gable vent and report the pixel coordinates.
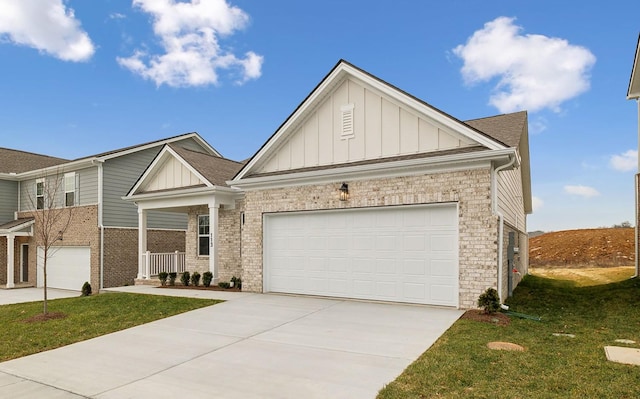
(347, 122)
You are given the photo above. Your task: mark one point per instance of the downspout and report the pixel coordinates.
(496, 211)
(100, 221)
(637, 183)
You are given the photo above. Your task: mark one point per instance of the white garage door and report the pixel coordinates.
(400, 254)
(67, 268)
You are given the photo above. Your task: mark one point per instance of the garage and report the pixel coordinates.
(67, 268)
(398, 254)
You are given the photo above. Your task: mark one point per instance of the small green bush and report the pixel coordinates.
(184, 278)
(172, 278)
(489, 301)
(163, 278)
(207, 277)
(195, 279)
(223, 284)
(86, 289)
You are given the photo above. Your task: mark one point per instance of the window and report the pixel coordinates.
(70, 187)
(40, 194)
(203, 235)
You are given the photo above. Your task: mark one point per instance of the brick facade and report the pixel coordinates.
(229, 264)
(470, 189)
(121, 252)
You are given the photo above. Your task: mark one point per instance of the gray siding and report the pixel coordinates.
(8, 200)
(510, 198)
(87, 180)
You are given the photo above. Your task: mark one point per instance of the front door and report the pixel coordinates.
(24, 262)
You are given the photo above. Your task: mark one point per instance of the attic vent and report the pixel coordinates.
(347, 121)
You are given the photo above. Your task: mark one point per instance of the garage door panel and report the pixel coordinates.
(392, 254)
(67, 267)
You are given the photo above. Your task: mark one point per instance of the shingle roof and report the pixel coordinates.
(215, 169)
(506, 128)
(16, 161)
(16, 223)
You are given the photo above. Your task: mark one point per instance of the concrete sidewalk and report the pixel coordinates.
(21, 295)
(252, 346)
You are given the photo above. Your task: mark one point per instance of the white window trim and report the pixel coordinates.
(208, 235)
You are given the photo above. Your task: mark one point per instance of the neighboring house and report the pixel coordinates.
(363, 192)
(100, 245)
(633, 93)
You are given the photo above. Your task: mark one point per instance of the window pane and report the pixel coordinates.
(70, 182)
(70, 199)
(203, 224)
(39, 188)
(40, 203)
(203, 245)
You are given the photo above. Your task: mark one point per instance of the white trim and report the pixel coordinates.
(341, 72)
(22, 280)
(416, 166)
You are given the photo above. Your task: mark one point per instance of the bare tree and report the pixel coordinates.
(52, 213)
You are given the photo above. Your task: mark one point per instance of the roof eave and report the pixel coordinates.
(633, 92)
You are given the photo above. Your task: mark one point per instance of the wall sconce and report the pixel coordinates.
(344, 192)
(60, 233)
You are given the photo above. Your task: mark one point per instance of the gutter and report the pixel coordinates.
(496, 211)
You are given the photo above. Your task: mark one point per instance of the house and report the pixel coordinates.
(633, 93)
(100, 245)
(364, 191)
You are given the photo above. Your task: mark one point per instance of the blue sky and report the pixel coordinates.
(80, 77)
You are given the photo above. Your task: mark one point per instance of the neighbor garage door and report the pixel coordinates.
(67, 268)
(399, 254)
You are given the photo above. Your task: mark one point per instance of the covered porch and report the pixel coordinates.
(12, 232)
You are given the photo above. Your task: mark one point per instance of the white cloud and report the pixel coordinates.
(117, 15)
(536, 203)
(535, 71)
(583, 191)
(46, 25)
(625, 162)
(190, 35)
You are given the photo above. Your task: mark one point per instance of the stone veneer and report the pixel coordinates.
(228, 242)
(471, 189)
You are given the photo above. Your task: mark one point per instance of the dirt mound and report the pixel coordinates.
(587, 247)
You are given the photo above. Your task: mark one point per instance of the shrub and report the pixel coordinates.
(86, 289)
(207, 277)
(195, 279)
(239, 283)
(489, 301)
(184, 278)
(163, 278)
(223, 284)
(172, 278)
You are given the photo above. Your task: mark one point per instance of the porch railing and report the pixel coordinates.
(154, 263)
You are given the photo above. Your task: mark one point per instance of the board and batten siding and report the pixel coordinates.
(87, 181)
(8, 200)
(510, 201)
(381, 128)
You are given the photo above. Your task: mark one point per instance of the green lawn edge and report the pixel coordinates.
(459, 364)
(86, 318)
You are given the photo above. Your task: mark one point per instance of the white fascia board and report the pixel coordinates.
(184, 198)
(442, 164)
(633, 92)
(16, 229)
(51, 170)
(158, 143)
(150, 171)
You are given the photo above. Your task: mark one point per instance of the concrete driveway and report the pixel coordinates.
(20, 295)
(252, 346)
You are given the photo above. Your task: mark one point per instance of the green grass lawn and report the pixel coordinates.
(87, 317)
(459, 365)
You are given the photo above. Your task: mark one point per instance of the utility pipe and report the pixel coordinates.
(496, 211)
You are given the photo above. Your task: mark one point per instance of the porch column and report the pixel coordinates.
(10, 258)
(213, 241)
(142, 241)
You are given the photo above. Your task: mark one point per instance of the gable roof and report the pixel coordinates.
(215, 169)
(342, 71)
(16, 161)
(634, 81)
(16, 225)
(506, 128)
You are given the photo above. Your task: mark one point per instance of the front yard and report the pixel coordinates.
(552, 366)
(86, 317)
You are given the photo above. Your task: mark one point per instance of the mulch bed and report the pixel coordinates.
(499, 319)
(200, 287)
(45, 317)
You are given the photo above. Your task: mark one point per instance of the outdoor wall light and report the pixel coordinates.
(344, 192)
